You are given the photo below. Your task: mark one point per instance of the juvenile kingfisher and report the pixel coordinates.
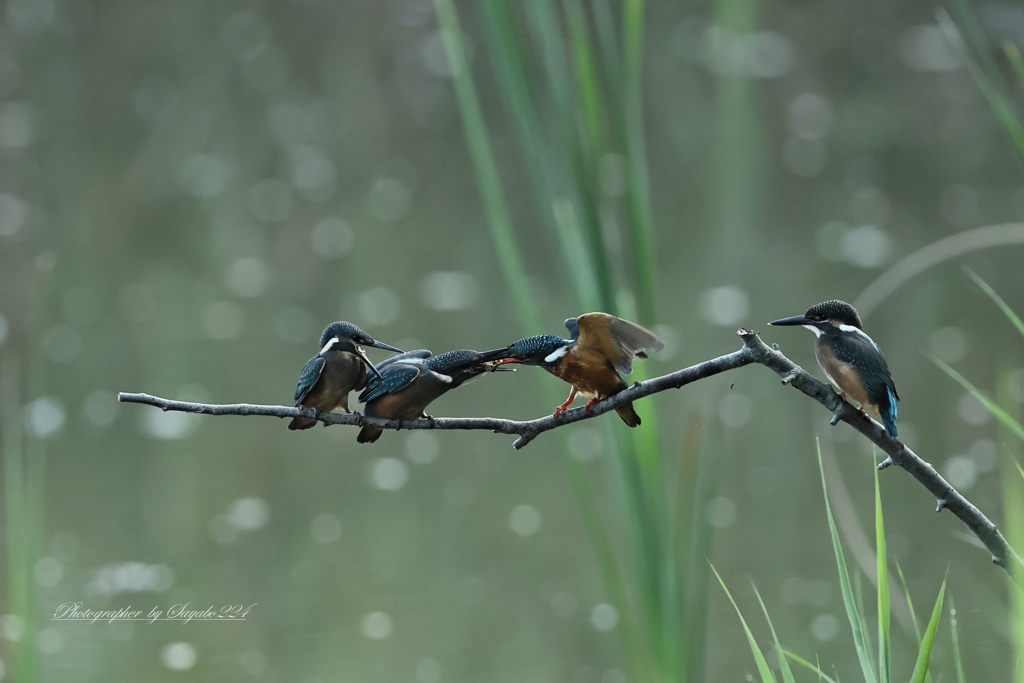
(852, 362)
(409, 383)
(340, 367)
(599, 351)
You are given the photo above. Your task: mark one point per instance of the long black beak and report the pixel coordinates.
(362, 354)
(386, 347)
(795, 320)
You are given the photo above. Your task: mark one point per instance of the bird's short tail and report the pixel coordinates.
(628, 415)
(301, 423)
(369, 434)
(888, 414)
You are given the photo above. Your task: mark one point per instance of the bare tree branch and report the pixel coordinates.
(753, 351)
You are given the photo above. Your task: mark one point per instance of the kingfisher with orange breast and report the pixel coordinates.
(600, 350)
(851, 360)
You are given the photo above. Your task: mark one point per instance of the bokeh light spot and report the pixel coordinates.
(247, 277)
(735, 409)
(948, 343)
(168, 425)
(179, 656)
(604, 617)
(984, 454)
(326, 528)
(378, 306)
(389, 199)
(49, 641)
(45, 416)
(249, 514)
(524, 520)
(450, 291)
(48, 571)
(810, 116)
(586, 444)
(377, 625)
(265, 68)
(332, 238)
(388, 474)
(422, 447)
(204, 175)
(13, 214)
(16, 128)
(971, 410)
(428, 671)
(961, 472)
(253, 662)
(825, 627)
(720, 512)
(727, 305)
(866, 246)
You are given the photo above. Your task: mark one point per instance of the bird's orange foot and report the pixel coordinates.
(586, 408)
(564, 407)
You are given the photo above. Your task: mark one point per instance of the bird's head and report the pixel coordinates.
(541, 349)
(828, 315)
(344, 336)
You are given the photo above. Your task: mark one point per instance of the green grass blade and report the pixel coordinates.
(910, 603)
(759, 659)
(813, 667)
(884, 614)
(924, 653)
(787, 672)
(1013, 55)
(641, 229)
(1004, 417)
(960, 678)
(988, 81)
(1003, 306)
(852, 612)
(486, 169)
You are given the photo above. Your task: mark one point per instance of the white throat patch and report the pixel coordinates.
(555, 355)
(814, 329)
(330, 343)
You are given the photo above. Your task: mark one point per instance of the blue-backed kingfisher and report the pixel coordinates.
(599, 351)
(850, 359)
(340, 367)
(408, 385)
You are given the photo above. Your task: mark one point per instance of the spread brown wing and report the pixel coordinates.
(620, 340)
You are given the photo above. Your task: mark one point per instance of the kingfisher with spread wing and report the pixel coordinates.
(600, 350)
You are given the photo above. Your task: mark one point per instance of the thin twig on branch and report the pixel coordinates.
(753, 351)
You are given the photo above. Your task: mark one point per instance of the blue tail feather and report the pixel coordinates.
(889, 416)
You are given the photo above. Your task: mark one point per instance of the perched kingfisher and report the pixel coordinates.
(852, 362)
(599, 351)
(409, 383)
(340, 367)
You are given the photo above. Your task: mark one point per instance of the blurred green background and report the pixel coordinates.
(190, 192)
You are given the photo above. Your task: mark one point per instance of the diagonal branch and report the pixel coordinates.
(753, 351)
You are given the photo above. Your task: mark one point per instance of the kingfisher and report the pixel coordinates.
(340, 367)
(600, 350)
(409, 383)
(850, 359)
